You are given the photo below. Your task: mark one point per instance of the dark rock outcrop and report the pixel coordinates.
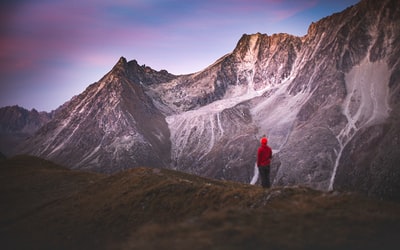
(17, 124)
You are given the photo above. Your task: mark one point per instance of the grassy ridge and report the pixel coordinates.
(49, 207)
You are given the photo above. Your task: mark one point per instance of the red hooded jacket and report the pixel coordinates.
(264, 154)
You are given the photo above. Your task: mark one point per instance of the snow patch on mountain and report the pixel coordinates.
(275, 114)
(254, 179)
(200, 129)
(366, 103)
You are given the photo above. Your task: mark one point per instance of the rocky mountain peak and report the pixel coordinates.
(17, 123)
(112, 118)
(136, 74)
(251, 43)
(121, 66)
(122, 61)
(17, 119)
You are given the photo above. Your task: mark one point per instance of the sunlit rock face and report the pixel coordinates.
(328, 102)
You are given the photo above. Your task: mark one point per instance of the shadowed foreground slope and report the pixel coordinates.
(45, 206)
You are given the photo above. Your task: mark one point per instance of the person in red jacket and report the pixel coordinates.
(264, 155)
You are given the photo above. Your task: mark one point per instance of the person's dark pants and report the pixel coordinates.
(264, 174)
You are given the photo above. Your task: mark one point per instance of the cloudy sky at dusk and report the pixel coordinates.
(52, 50)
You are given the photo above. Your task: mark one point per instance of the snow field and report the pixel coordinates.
(366, 103)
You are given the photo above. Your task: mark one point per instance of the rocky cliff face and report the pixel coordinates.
(328, 102)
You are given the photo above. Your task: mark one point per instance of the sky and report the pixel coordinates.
(51, 50)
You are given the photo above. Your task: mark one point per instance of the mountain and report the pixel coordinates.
(17, 123)
(112, 125)
(47, 206)
(328, 102)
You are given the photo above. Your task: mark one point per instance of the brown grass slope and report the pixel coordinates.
(45, 206)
